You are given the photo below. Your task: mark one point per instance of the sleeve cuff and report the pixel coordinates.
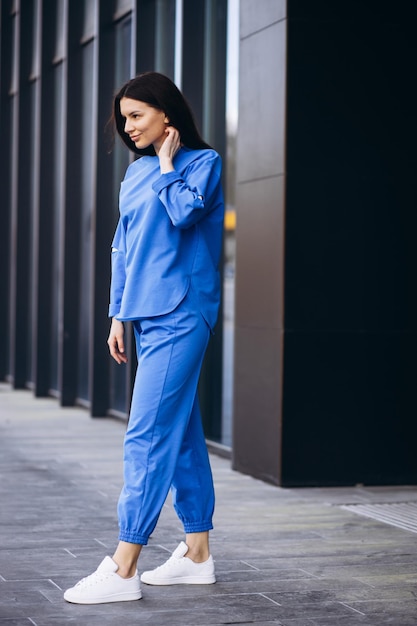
(165, 180)
(114, 310)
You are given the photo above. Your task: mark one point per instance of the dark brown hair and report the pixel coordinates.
(161, 93)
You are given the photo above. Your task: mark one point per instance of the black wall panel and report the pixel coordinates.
(350, 309)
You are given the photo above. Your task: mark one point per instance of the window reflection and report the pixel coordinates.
(230, 218)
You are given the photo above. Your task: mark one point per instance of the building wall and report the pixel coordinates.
(260, 233)
(326, 305)
(61, 62)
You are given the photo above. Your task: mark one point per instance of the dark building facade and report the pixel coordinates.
(311, 377)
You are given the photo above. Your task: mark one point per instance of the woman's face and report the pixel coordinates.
(144, 124)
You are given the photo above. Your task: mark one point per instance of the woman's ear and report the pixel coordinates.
(166, 120)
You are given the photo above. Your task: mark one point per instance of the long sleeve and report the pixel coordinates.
(187, 197)
(118, 269)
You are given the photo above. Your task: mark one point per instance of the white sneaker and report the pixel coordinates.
(104, 585)
(181, 570)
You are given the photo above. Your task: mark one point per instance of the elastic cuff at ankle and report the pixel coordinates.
(197, 527)
(132, 537)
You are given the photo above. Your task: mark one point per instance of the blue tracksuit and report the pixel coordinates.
(165, 279)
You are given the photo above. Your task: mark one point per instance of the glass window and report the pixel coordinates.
(57, 203)
(230, 217)
(122, 7)
(14, 83)
(86, 217)
(164, 37)
(37, 42)
(90, 20)
(212, 85)
(121, 157)
(60, 31)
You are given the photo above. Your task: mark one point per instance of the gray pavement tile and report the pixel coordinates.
(60, 620)
(350, 495)
(347, 594)
(250, 575)
(248, 609)
(387, 608)
(283, 556)
(181, 619)
(356, 620)
(22, 607)
(262, 623)
(24, 621)
(17, 589)
(331, 619)
(393, 580)
(364, 570)
(311, 610)
(301, 598)
(336, 590)
(318, 549)
(311, 563)
(387, 594)
(317, 564)
(298, 622)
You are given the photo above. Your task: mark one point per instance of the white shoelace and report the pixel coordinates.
(93, 579)
(173, 560)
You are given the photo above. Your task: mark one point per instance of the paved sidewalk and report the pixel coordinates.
(291, 557)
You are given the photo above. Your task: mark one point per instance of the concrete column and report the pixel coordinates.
(259, 321)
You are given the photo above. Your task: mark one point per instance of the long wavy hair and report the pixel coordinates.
(161, 93)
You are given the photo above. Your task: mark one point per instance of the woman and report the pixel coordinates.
(165, 281)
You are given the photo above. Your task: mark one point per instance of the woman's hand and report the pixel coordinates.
(116, 341)
(169, 149)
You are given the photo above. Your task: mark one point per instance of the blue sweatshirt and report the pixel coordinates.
(169, 237)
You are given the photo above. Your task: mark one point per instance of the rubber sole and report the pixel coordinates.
(121, 597)
(183, 580)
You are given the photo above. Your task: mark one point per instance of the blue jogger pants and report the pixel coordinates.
(164, 444)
